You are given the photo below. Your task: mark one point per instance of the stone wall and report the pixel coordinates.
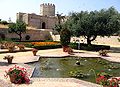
(33, 33)
(34, 20)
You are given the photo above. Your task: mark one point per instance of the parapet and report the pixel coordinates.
(47, 4)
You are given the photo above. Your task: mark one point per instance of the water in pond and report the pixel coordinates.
(62, 67)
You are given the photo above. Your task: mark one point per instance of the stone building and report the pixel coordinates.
(46, 19)
(39, 26)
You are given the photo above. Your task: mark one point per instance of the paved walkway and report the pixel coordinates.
(23, 57)
(58, 82)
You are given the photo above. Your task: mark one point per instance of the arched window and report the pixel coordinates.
(43, 25)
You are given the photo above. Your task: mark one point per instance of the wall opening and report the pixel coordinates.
(43, 25)
(2, 36)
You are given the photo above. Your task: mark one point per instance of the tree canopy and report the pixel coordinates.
(105, 22)
(58, 27)
(18, 28)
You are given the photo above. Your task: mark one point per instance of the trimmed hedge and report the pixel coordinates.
(47, 47)
(91, 47)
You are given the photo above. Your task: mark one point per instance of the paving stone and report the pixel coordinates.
(4, 83)
(26, 57)
(54, 55)
(86, 55)
(16, 50)
(111, 58)
(58, 82)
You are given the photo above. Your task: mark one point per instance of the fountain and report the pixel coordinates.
(77, 63)
(93, 72)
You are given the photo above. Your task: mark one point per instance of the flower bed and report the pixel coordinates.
(105, 80)
(42, 45)
(45, 45)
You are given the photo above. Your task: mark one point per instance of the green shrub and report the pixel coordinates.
(65, 37)
(29, 45)
(119, 39)
(78, 74)
(91, 47)
(74, 45)
(15, 39)
(4, 22)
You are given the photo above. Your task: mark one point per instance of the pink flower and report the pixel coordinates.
(20, 74)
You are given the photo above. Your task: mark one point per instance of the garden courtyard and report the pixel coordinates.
(52, 50)
(24, 58)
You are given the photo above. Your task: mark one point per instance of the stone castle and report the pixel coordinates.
(40, 26)
(46, 19)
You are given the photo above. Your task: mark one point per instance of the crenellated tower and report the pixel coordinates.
(47, 9)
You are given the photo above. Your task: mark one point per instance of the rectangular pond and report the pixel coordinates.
(81, 68)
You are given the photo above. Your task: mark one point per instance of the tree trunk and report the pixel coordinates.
(20, 35)
(88, 41)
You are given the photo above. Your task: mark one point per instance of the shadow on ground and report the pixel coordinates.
(115, 49)
(4, 64)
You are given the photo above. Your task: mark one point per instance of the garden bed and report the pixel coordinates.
(42, 45)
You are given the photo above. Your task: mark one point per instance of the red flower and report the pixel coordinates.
(103, 80)
(20, 75)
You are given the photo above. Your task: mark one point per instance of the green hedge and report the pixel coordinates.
(47, 47)
(91, 47)
(15, 39)
(119, 39)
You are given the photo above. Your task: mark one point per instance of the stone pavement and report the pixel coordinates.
(58, 82)
(16, 50)
(23, 57)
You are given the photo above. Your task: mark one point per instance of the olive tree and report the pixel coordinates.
(19, 27)
(105, 22)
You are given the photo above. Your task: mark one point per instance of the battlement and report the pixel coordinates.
(47, 9)
(47, 4)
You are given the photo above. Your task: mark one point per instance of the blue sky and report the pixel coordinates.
(9, 8)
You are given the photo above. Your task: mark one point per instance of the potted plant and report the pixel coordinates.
(34, 51)
(17, 75)
(69, 50)
(65, 36)
(11, 47)
(21, 47)
(9, 58)
(103, 52)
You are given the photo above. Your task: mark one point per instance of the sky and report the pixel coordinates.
(9, 8)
